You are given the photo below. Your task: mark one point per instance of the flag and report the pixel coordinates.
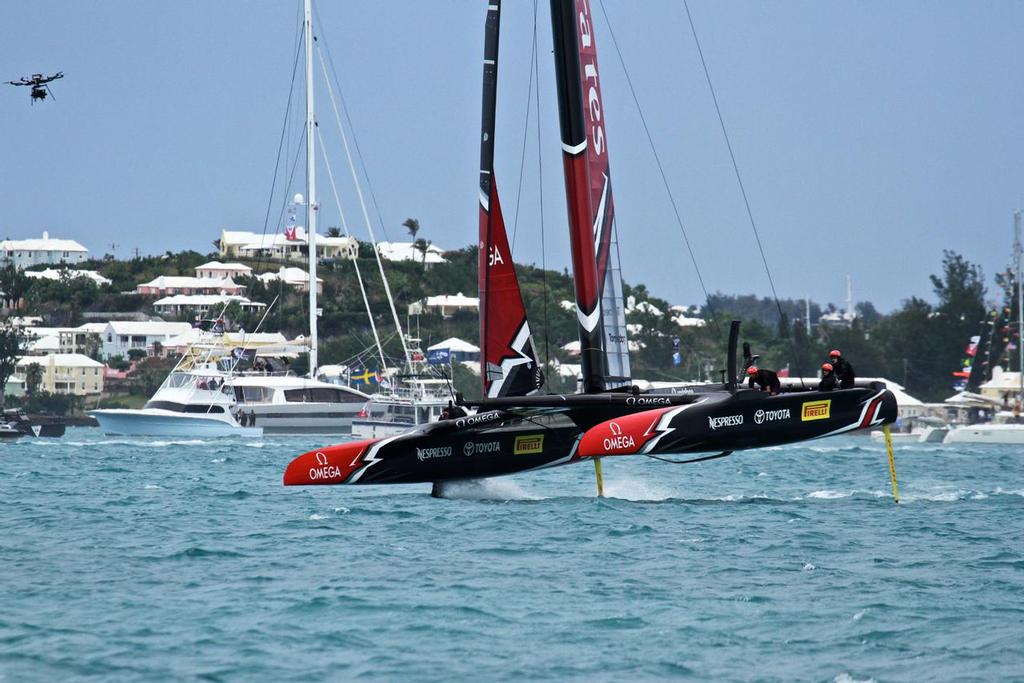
(439, 356)
(365, 376)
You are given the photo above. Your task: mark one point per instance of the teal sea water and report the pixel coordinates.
(144, 559)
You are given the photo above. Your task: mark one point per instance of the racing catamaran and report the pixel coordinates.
(516, 428)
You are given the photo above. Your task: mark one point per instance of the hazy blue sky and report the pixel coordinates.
(871, 135)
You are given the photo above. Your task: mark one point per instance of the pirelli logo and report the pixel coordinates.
(529, 445)
(816, 410)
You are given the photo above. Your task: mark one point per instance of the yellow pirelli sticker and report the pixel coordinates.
(529, 445)
(816, 410)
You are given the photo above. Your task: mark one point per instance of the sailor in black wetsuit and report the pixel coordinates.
(767, 380)
(843, 369)
(452, 412)
(828, 378)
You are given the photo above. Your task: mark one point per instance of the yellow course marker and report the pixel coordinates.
(600, 480)
(892, 463)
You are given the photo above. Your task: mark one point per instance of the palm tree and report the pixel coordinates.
(423, 246)
(413, 226)
(334, 232)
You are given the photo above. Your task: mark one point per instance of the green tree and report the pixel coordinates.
(334, 232)
(413, 226)
(423, 246)
(12, 347)
(33, 378)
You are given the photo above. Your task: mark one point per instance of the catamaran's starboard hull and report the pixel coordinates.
(157, 422)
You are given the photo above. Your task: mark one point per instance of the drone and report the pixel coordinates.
(38, 83)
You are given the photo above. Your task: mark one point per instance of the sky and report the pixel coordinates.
(870, 136)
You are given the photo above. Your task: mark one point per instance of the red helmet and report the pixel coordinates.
(752, 370)
(834, 353)
(827, 367)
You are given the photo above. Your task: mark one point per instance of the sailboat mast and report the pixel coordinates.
(311, 204)
(1018, 248)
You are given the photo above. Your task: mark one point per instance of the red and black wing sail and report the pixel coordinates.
(508, 362)
(599, 300)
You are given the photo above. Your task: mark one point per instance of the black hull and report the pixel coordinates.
(571, 429)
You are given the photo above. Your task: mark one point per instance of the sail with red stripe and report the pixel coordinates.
(595, 254)
(508, 362)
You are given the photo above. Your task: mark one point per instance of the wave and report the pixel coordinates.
(482, 489)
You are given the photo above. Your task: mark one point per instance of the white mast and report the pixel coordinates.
(311, 205)
(1017, 249)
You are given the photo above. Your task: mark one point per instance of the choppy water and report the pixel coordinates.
(133, 559)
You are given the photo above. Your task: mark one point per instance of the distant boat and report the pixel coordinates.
(1005, 427)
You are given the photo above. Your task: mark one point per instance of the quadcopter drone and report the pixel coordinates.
(38, 83)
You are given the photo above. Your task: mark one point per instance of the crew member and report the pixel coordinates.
(828, 378)
(842, 369)
(452, 411)
(767, 380)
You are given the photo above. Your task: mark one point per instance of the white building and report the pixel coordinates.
(66, 373)
(293, 277)
(445, 304)
(69, 273)
(120, 336)
(223, 271)
(168, 285)
(202, 303)
(35, 251)
(253, 245)
(407, 251)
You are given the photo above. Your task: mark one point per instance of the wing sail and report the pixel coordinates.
(508, 362)
(595, 253)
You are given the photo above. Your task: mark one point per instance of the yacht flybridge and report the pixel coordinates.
(518, 428)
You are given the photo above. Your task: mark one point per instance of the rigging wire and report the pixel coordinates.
(280, 147)
(661, 169)
(739, 178)
(362, 204)
(540, 185)
(526, 129)
(355, 261)
(351, 126)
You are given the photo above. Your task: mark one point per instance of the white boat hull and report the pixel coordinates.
(303, 418)
(157, 422)
(378, 429)
(987, 433)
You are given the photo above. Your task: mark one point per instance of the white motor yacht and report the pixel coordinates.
(190, 402)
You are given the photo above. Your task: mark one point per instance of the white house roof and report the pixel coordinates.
(156, 328)
(406, 251)
(455, 344)
(45, 344)
(290, 274)
(63, 360)
(96, 328)
(203, 300)
(41, 244)
(189, 282)
(1002, 380)
(572, 348)
(217, 265)
(459, 300)
(55, 274)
